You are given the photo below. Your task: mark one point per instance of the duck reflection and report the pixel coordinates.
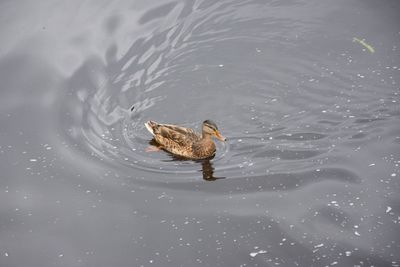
(206, 164)
(208, 170)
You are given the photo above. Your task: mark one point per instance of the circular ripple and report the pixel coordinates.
(281, 118)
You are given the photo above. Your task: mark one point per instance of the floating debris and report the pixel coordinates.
(319, 245)
(363, 43)
(132, 108)
(253, 254)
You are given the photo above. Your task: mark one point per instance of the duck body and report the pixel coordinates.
(185, 142)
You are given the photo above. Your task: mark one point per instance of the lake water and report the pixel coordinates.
(309, 175)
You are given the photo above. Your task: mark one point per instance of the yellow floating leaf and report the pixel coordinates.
(365, 44)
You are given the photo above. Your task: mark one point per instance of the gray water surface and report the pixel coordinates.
(309, 175)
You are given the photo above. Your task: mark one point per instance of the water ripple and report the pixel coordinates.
(275, 126)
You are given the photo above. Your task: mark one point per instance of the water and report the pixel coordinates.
(309, 175)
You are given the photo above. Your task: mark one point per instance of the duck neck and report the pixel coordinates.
(206, 136)
(205, 147)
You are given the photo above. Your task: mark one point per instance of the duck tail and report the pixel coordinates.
(150, 126)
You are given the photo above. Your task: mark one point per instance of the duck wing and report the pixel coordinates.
(165, 133)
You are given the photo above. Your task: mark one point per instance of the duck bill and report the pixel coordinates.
(219, 136)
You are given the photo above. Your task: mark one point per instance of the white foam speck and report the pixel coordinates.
(33, 160)
(348, 253)
(357, 233)
(253, 254)
(393, 175)
(6, 254)
(319, 245)
(388, 209)
(372, 164)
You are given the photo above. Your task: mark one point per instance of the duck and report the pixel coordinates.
(185, 142)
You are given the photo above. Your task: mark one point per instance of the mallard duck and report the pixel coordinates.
(185, 142)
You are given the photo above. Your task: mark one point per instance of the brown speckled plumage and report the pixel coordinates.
(185, 142)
